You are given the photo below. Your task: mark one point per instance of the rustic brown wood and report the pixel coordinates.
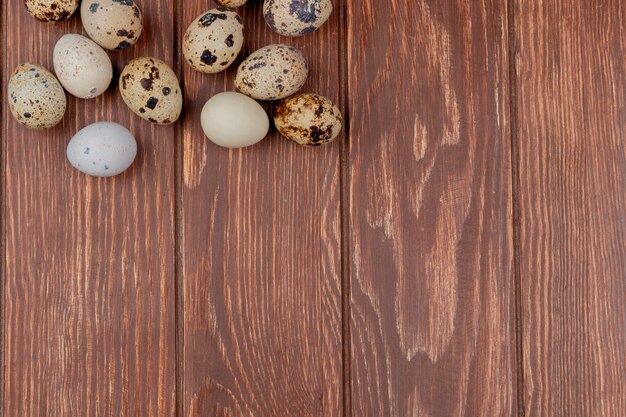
(430, 210)
(89, 293)
(261, 253)
(572, 193)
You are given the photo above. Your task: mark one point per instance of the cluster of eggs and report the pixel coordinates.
(150, 88)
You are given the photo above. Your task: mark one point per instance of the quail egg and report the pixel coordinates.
(272, 72)
(150, 89)
(102, 149)
(35, 97)
(112, 24)
(83, 68)
(234, 120)
(296, 17)
(308, 119)
(213, 40)
(231, 3)
(51, 10)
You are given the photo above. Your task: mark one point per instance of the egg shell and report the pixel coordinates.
(231, 3)
(36, 98)
(234, 120)
(150, 89)
(272, 72)
(51, 10)
(112, 24)
(213, 41)
(296, 17)
(102, 149)
(308, 119)
(83, 68)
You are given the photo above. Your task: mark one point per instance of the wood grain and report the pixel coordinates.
(572, 175)
(430, 210)
(261, 253)
(89, 292)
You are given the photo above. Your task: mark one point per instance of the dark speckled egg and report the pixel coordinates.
(36, 98)
(150, 88)
(213, 41)
(296, 17)
(308, 119)
(51, 10)
(112, 24)
(272, 72)
(231, 3)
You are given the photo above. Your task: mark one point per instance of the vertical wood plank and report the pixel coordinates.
(261, 231)
(89, 301)
(572, 125)
(432, 300)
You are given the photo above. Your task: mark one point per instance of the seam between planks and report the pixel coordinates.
(179, 314)
(3, 156)
(344, 202)
(515, 187)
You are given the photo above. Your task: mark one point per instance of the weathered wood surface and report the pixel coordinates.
(89, 291)
(572, 197)
(458, 252)
(261, 253)
(431, 250)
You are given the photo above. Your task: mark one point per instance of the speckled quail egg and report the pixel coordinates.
(272, 72)
(102, 149)
(112, 24)
(234, 120)
(308, 119)
(51, 10)
(36, 99)
(150, 89)
(83, 68)
(296, 17)
(213, 40)
(231, 3)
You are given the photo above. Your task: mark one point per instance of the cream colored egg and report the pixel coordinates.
(213, 40)
(296, 17)
(231, 3)
(233, 120)
(51, 10)
(272, 72)
(83, 68)
(112, 24)
(36, 98)
(150, 89)
(308, 119)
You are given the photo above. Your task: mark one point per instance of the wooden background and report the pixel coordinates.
(459, 251)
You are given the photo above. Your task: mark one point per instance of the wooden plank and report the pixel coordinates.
(89, 301)
(432, 294)
(572, 125)
(261, 230)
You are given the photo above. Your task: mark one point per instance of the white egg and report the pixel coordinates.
(234, 120)
(102, 149)
(82, 67)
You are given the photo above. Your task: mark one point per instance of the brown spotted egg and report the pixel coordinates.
(51, 10)
(213, 40)
(231, 3)
(272, 72)
(308, 119)
(36, 98)
(150, 89)
(296, 17)
(112, 24)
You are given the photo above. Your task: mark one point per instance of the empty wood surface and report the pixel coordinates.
(571, 104)
(431, 253)
(459, 251)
